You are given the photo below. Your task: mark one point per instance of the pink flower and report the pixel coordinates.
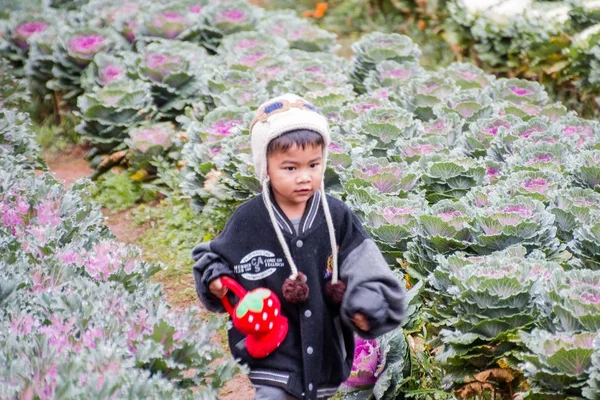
(398, 216)
(592, 298)
(468, 75)
(535, 185)
(144, 139)
(195, 9)
(449, 215)
(214, 151)
(21, 326)
(251, 59)
(429, 87)
(370, 170)
(26, 30)
(335, 148)
(363, 107)
(170, 23)
(86, 46)
(224, 128)
(89, 337)
(233, 16)
(14, 211)
(111, 73)
(421, 149)
(104, 260)
(492, 171)
(531, 131)
(520, 91)
(69, 257)
(493, 130)
(247, 43)
(58, 333)
(396, 73)
(48, 213)
(161, 63)
(364, 367)
(523, 211)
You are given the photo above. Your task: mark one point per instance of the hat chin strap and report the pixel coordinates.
(282, 242)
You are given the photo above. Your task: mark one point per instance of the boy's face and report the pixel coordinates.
(296, 175)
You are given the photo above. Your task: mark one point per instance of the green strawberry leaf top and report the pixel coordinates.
(253, 301)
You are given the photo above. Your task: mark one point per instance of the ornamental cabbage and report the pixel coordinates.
(574, 297)
(300, 34)
(379, 176)
(385, 125)
(517, 220)
(73, 51)
(470, 105)
(586, 243)
(585, 168)
(220, 19)
(393, 75)
(376, 47)
(518, 91)
(556, 364)
(170, 22)
(105, 69)
(539, 185)
(108, 113)
(392, 223)
(443, 229)
(482, 303)
(449, 176)
(573, 207)
(592, 389)
(468, 76)
(172, 68)
(482, 133)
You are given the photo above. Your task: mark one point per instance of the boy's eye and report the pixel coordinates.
(314, 165)
(289, 168)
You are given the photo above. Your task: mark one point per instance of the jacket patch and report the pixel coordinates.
(258, 265)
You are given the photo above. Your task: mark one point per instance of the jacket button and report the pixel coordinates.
(299, 243)
(309, 350)
(307, 313)
(310, 386)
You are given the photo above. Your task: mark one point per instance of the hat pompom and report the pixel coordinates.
(335, 291)
(296, 290)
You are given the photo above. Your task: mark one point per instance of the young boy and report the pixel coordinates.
(294, 227)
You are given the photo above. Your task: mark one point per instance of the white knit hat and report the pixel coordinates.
(275, 117)
(280, 115)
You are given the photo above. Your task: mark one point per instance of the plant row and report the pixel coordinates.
(79, 317)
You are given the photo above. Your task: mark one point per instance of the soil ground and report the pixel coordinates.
(69, 166)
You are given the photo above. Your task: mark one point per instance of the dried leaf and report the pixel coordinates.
(473, 389)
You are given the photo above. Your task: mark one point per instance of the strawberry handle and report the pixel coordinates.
(236, 288)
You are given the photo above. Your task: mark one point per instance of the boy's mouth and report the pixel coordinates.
(303, 191)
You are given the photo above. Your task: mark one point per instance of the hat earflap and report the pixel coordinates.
(295, 290)
(335, 288)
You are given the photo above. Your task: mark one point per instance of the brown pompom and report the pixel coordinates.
(296, 291)
(335, 293)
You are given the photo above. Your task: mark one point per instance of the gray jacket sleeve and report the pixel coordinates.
(208, 266)
(371, 289)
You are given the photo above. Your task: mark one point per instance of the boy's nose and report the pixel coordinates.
(303, 178)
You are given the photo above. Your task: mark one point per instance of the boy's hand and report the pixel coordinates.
(361, 322)
(216, 287)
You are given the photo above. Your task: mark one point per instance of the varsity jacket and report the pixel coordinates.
(316, 355)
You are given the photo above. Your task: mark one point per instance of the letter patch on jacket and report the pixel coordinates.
(258, 265)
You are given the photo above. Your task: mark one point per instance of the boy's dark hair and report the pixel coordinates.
(299, 137)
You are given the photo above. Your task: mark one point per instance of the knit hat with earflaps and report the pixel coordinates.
(275, 117)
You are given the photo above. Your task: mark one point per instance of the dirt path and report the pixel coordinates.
(68, 166)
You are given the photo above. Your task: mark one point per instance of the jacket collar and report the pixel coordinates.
(307, 220)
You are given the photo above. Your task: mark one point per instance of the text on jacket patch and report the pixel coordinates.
(258, 265)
